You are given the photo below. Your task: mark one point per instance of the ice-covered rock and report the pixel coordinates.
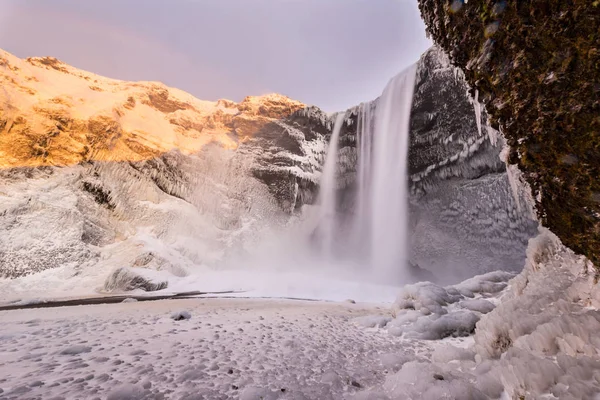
(465, 216)
(181, 315)
(534, 334)
(127, 279)
(428, 311)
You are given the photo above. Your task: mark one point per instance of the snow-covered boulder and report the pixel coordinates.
(126, 279)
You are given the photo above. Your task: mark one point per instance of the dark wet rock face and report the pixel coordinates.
(536, 67)
(289, 154)
(464, 217)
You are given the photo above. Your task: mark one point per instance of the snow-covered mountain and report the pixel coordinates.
(103, 180)
(98, 173)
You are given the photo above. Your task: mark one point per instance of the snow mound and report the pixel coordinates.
(430, 312)
(181, 315)
(534, 337)
(434, 327)
(480, 305)
(544, 332)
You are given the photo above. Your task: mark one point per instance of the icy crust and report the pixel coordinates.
(174, 214)
(535, 338)
(191, 349)
(430, 312)
(543, 337)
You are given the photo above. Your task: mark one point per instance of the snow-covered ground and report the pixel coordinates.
(535, 337)
(229, 348)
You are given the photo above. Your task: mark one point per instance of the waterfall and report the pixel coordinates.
(376, 235)
(385, 167)
(327, 193)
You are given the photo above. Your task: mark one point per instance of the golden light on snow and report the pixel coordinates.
(54, 114)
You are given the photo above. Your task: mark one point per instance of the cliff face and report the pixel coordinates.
(97, 173)
(54, 114)
(536, 67)
(466, 214)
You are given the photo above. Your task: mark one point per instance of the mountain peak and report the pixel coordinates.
(270, 105)
(54, 114)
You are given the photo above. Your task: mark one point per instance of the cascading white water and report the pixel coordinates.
(387, 193)
(377, 237)
(381, 214)
(361, 225)
(327, 194)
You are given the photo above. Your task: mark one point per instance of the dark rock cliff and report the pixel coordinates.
(536, 67)
(465, 217)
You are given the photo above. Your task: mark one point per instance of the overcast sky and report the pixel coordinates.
(330, 53)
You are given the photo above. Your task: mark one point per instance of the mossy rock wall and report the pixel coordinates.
(535, 65)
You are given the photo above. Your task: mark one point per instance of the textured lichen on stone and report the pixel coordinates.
(537, 66)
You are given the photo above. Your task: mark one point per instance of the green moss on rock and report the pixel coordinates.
(536, 65)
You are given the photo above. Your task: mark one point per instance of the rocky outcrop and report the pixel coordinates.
(127, 279)
(54, 114)
(96, 172)
(466, 217)
(536, 67)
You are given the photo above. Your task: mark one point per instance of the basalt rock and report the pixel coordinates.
(536, 67)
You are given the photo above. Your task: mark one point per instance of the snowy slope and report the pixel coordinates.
(97, 175)
(54, 114)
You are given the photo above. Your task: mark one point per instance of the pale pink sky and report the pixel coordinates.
(331, 53)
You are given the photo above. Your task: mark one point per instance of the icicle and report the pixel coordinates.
(477, 107)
